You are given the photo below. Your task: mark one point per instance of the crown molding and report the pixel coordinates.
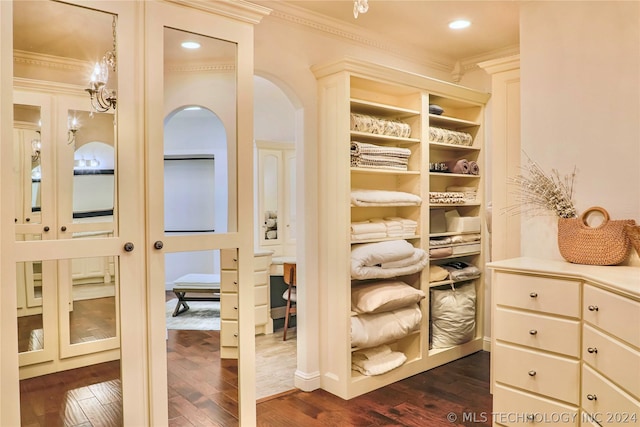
(49, 61)
(501, 65)
(201, 68)
(317, 22)
(240, 10)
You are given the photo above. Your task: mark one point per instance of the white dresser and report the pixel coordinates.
(229, 299)
(565, 343)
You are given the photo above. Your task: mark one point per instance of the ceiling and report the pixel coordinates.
(423, 24)
(417, 25)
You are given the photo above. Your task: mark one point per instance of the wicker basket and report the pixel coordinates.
(633, 232)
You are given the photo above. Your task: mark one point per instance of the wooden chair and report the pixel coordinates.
(290, 294)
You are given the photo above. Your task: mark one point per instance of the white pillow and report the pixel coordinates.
(384, 295)
(453, 315)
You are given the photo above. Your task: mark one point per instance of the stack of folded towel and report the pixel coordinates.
(366, 197)
(380, 228)
(463, 166)
(376, 360)
(365, 155)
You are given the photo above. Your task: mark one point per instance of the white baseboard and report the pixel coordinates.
(306, 381)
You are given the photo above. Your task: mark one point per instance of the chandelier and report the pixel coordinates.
(103, 98)
(36, 146)
(360, 6)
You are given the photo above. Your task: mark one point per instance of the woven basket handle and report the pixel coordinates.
(603, 211)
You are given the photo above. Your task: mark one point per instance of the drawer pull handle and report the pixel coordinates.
(593, 308)
(235, 335)
(530, 417)
(235, 308)
(235, 260)
(532, 373)
(533, 332)
(592, 397)
(592, 350)
(533, 295)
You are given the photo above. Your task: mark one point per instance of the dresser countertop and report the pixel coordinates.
(619, 278)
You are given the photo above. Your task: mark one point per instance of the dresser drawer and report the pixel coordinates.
(617, 315)
(261, 295)
(614, 359)
(260, 278)
(605, 402)
(228, 333)
(539, 372)
(514, 407)
(539, 331)
(229, 259)
(228, 281)
(261, 263)
(229, 306)
(539, 293)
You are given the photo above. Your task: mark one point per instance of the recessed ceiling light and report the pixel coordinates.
(190, 45)
(459, 24)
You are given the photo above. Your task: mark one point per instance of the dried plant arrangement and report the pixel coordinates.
(540, 191)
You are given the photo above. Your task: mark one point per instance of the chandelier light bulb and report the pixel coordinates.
(360, 6)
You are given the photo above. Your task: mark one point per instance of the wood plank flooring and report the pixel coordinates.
(203, 392)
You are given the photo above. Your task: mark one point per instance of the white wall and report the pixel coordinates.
(580, 74)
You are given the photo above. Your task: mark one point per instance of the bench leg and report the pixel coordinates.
(182, 305)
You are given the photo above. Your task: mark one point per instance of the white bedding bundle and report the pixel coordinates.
(364, 197)
(371, 330)
(383, 260)
(377, 360)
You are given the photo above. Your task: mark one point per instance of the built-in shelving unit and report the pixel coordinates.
(349, 87)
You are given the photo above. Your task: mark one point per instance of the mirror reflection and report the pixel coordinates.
(27, 162)
(92, 306)
(30, 322)
(92, 135)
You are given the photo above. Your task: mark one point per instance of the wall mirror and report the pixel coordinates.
(27, 137)
(199, 176)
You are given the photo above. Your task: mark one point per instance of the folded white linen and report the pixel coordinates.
(368, 236)
(367, 259)
(379, 365)
(371, 254)
(370, 330)
(365, 197)
(465, 238)
(368, 227)
(417, 256)
(372, 353)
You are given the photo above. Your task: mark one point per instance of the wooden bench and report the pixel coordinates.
(198, 284)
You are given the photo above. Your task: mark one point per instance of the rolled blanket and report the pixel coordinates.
(474, 169)
(458, 166)
(364, 197)
(362, 148)
(378, 365)
(465, 238)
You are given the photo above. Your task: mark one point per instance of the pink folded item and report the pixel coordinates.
(459, 166)
(474, 169)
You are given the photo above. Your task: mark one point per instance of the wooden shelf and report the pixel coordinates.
(384, 171)
(383, 110)
(381, 139)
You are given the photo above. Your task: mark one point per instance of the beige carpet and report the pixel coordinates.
(201, 316)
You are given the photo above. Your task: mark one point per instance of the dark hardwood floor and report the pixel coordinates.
(203, 392)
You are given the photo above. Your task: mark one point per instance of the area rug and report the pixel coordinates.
(201, 316)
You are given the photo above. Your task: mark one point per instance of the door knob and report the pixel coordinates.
(158, 244)
(128, 246)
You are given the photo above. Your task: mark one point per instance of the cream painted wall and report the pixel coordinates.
(580, 70)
